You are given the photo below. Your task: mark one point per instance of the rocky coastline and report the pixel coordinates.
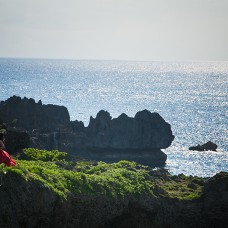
(139, 138)
(49, 188)
(51, 192)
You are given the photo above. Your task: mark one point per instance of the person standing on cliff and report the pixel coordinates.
(4, 156)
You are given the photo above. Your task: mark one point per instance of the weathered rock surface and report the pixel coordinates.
(16, 141)
(145, 131)
(207, 146)
(29, 204)
(28, 115)
(140, 138)
(215, 200)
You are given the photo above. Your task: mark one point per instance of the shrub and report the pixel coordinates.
(44, 155)
(55, 170)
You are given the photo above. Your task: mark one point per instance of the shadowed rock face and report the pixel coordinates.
(153, 158)
(145, 131)
(138, 138)
(16, 141)
(32, 204)
(26, 114)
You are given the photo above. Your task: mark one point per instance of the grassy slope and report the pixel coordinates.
(64, 174)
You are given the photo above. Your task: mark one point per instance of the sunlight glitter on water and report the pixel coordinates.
(200, 163)
(191, 96)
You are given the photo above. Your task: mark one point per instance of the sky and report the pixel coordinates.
(143, 30)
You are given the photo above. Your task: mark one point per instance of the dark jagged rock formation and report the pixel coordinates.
(28, 115)
(110, 139)
(145, 131)
(139, 139)
(207, 146)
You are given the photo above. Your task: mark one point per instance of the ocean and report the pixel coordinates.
(191, 96)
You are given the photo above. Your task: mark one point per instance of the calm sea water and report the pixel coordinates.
(191, 96)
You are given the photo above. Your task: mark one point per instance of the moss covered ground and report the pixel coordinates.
(66, 174)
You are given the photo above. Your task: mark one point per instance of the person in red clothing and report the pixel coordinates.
(4, 156)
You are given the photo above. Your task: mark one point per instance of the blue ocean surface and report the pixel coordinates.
(191, 96)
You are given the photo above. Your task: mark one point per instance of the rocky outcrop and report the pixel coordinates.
(63, 141)
(207, 146)
(27, 115)
(215, 200)
(145, 131)
(31, 204)
(138, 138)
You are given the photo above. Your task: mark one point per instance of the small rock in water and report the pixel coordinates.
(207, 146)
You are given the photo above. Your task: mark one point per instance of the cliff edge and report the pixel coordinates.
(52, 189)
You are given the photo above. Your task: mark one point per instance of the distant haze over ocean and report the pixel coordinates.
(191, 96)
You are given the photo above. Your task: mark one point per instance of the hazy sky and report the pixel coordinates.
(115, 29)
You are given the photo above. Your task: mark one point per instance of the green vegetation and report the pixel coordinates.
(44, 155)
(64, 174)
(182, 187)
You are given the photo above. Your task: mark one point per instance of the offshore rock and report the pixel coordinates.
(207, 146)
